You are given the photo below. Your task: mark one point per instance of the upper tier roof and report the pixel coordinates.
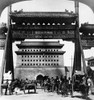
(40, 44)
(43, 17)
(42, 14)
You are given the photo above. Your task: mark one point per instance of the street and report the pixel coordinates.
(41, 95)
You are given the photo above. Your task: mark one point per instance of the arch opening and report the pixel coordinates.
(39, 77)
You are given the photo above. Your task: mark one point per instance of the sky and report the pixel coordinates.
(85, 15)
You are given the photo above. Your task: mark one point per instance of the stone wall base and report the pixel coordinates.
(32, 73)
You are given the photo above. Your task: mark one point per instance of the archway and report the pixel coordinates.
(39, 78)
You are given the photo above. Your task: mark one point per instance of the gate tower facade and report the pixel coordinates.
(35, 57)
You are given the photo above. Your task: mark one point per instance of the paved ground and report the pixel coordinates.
(41, 95)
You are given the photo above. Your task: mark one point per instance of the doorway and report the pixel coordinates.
(39, 79)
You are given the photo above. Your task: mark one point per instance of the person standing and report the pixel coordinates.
(89, 85)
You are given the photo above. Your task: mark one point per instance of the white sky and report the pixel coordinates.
(85, 15)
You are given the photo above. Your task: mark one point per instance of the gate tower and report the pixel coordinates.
(35, 57)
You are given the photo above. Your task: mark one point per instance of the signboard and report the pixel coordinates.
(87, 44)
(22, 34)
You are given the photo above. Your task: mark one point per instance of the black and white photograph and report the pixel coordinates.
(47, 49)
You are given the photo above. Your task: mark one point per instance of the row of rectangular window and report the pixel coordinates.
(46, 64)
(40, 50)
(40, 60)
(40, 56)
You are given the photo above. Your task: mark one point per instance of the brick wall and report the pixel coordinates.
(32, 73)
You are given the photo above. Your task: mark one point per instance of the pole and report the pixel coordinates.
(83, 58)
(71, 67)
(2, 68)
(9, 62)
(77, 54)
(9, 11)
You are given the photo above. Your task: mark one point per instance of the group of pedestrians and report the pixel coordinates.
(83, 84)
(17, 85)
(61, 85)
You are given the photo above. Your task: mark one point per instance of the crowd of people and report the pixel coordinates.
(60, 85)
(63, 85)
(17, 85)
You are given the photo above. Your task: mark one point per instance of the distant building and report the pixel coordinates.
(36, 59)
(90, 62)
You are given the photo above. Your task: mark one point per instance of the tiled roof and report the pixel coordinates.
(90, 58)
(39, 53)
(40, 43)
(42, 14)
(87, 28)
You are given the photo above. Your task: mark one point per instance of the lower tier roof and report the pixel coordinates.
(40, 44)
(39, 53)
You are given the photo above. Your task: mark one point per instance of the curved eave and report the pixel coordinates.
(43, 17)
(90, 58)
(39, 53)
(87, 28)
(40, 46)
